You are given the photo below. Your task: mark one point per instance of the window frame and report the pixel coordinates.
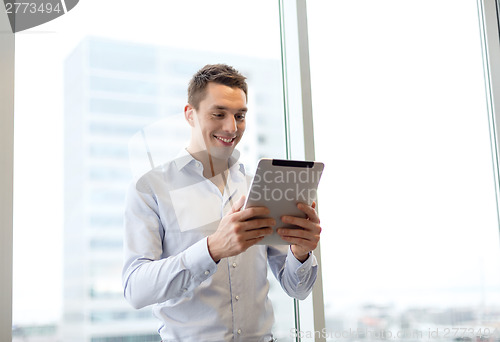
(299, 127)
(7, 48)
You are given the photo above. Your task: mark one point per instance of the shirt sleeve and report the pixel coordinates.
(147, 276)
(296, 278)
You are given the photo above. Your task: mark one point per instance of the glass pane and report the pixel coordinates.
(410, 246)
(86, 85)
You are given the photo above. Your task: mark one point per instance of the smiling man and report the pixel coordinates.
(191, 249)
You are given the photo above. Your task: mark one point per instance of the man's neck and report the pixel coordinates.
(212, 166)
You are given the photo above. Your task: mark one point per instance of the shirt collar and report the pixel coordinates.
(184, 158)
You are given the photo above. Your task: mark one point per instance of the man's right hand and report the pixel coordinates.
(239, 230)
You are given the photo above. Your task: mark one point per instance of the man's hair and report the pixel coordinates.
(216, 73)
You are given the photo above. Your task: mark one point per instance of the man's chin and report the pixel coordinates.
(223, 153)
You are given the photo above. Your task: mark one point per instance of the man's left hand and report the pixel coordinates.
(302, 240)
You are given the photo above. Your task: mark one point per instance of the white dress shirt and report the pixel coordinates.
(170, 211)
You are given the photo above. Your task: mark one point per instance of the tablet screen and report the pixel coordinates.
(280, 185)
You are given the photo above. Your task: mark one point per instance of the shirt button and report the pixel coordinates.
(234, 265)
(198, 164)
(184, 290)
(239, 331)
(302, 270)
(207, 272)
(237, 297)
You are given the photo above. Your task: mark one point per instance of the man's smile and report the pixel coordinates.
(227, 140)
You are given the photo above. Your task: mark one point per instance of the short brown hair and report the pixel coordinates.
(217, 73)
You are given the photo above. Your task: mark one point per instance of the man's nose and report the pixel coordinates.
(230, 124)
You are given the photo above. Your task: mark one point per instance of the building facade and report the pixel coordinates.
(123, 115)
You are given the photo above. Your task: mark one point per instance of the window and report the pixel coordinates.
(410, 240)
(407, 199)
(92, 89)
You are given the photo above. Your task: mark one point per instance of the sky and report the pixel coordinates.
(406, 153)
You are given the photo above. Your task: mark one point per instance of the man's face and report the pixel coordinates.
(219, 122)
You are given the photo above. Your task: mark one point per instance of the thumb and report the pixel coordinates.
(238, 204)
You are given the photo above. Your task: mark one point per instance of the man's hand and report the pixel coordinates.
(306, 239)
(239, 230)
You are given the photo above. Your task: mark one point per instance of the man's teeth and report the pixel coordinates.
(225, 140)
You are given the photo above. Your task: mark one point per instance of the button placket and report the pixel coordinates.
(234, 264)
(237, 314)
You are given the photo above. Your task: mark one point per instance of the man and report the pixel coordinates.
(190, 247)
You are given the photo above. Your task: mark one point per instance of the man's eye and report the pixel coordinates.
(218, 115)
(240, 117)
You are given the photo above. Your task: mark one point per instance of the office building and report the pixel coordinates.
(117, 94)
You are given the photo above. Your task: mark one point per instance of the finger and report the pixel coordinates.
(309, 211)
(252, 242)
(258, 223)
(296, 233)
(301, 222)
(248, 213)
(238, 204)
(305, 242)
(299, 237)
(257, 233)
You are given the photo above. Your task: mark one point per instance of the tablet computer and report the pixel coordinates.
(279, 185)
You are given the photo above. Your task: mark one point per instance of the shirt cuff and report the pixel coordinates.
(298, 267)
(199, 261)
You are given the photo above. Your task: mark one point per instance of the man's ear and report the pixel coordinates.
(189, 113)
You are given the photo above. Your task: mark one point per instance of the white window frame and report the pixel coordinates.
(6, 173)
(299, 119)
